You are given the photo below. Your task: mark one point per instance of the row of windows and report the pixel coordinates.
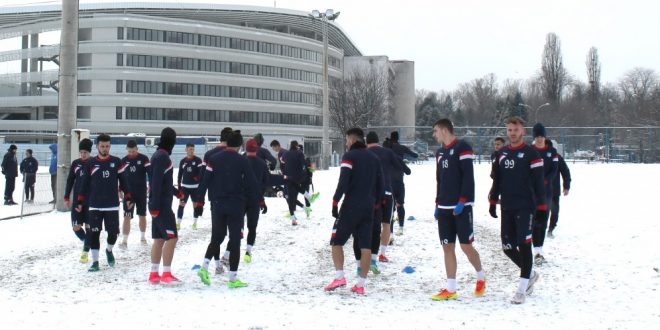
(226, 42)
(137, 113)
(182, 63)
(157, 87)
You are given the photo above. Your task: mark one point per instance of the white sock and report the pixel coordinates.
(481, 275)
(248, 248)
(95, 255)
(308, 195)
(155, 268)
(339, 274)
(109, 248)
(226, 255)
(206, 263)
(374, 257)
(232, 276)
(538, 250)
(217, 263)
(125, 238)
(167, 269)
(143, 235)
(451, 284)
(361, 281)
(194, 220)
(383, 249)
(522, 285)
(178, 221)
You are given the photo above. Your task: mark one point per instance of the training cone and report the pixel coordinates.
(196, 267)
(408, 270)
(411, 218)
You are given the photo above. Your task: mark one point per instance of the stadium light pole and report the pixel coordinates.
(68, 96)
(328, 15)
(536, 112)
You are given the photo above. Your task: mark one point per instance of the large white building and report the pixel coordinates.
(194, 67)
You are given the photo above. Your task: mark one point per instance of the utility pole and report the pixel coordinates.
(68, 95)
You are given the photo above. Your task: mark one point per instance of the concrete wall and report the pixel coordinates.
(404, 97)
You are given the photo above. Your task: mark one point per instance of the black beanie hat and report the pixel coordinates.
(235, 139)
(167, 139)
(538, 130)
(394, 136)
(372, 137)
(224, 134)
(85, 144)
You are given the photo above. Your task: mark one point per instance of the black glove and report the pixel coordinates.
(263, 207)
(541, 214)
(493, 210)
(335, 212)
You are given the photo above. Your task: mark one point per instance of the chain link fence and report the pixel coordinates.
(587, 144)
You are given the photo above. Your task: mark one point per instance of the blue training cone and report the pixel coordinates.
(196, 267)
(408, 270)
(411, 218)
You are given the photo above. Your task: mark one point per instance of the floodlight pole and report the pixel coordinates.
(68, 95)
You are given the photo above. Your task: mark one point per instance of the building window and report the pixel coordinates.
(120, 59)
(120, 86)
(120, 33)
(119, 114)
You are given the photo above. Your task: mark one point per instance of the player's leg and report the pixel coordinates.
(95, 226)
(386, 231)
(292, 198)
(169, 222)
(126, 225)
(235, 226)
(340, 234)
(111, 222)
(363, 229)
(554, 217)
(375, 240)
(182, 204)
(447, 232)
(141, 210)
(524, 220)
(538, 236)
(465, 230)
(508, 236)
(252, 213)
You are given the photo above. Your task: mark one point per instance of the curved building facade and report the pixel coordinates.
(194, 67)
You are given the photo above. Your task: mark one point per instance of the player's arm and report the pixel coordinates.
(380, 182)
(344, 178)
(465, 158)
(206, 179)
(537, 177)
(397, 163)
(179, 176)
(494, 194)
(409, 152)
(158, 168)
(85, 185)
(123, 182)
(554, 167)
(565, 174)
(70, 181)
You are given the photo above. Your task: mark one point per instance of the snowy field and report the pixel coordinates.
(602, 269)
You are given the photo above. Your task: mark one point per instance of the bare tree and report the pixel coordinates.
(553, 74)
(593, 73)
(637, 87)
(361, 99)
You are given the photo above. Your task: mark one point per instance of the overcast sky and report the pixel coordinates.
(456, 41)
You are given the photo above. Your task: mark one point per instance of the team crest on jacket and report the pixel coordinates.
(451, 152)
(521, 155)
(549, 155)
(112, 165)
(193, 163)
(139, 162)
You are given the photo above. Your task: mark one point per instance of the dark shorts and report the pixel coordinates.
(79, 218)
(189, 193)
(139, 203)
(387, 210)
(356, 221)
(164, 225)
(516, 228)
(450, 226)
(399, 191)
(104, 219)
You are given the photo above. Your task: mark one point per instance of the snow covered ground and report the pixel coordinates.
(602, 269)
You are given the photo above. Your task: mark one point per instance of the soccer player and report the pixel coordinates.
(230, 175)
(398, 187)
(390, 163)
(498, 143)
(28, 168)
(550, 165)
(275, 145)
(263, 153)
(253, 207)
(361, 184)
(74, 183)
(137, 167)
(557, 191)
(224, 135)
(10, 171)
(99, 192)
(453, 205)
(187, 183)
(295, 175)
(518, 179)
(163, 223)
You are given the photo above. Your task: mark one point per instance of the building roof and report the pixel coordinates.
(274, 19)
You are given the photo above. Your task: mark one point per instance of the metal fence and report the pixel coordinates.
(601, 144)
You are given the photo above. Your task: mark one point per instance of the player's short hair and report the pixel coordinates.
(103, 138)
(274, 143)
(29, 151)
(515, 120)
(190, 145)
(224, 134)
(445, 123)
(131, 144)
(355, 131)
(499, 138)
